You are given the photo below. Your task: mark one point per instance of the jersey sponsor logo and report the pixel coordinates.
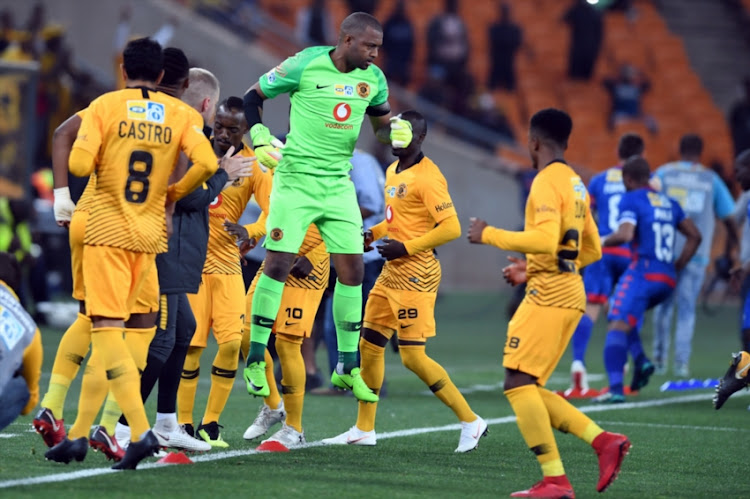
(144, 110)
(277, 234)
(339, 89)
(578, 188)
(443, 206)
(391, 191)
(319, 86)
(389, 214)
(348, 90)
(216, 202)
(614, 175)
(342, 111)
(401, 192)
(363, 89)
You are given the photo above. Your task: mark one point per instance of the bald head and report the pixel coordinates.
(203, 93)
(355, 24)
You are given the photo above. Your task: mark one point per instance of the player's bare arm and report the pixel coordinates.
(62, 143)
(693, 239)
(624, 234)
(380, 118)
(302, 268)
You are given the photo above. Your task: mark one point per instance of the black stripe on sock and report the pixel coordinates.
(349, 326)
(190, 374)
(115, 372)
(438, 385)
(288, 390)
(411, 343)
(259, 320)
(540, 449)
(224, 373)
(374, 337)
(74, 358)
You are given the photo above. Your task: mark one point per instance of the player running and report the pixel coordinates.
(559, 238)
(599, 278)
(649, 220)
(331, 90)
(131, 138)
(419, 217)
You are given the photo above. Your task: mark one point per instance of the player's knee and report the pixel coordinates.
(230, 348)
(278, 264)
(350, 269)
(516, 379)
(141, 321)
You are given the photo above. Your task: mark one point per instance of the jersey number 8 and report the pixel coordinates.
(139, 168)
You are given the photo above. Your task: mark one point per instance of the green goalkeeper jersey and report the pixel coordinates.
(327, 110)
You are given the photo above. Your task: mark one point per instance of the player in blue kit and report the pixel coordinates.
(606, 190)
(649, 220)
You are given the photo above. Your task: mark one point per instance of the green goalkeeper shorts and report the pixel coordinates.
(301, 199)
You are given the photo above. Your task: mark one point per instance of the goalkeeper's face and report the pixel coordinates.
(362, 48)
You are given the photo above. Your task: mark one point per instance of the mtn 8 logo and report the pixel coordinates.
(155, 112)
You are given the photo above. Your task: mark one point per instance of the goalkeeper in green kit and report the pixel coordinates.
(331, 89)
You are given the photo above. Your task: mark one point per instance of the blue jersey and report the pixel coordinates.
(655, 217)
(606, 190)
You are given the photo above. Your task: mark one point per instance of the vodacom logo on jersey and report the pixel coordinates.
(389, 214)
(342, 111)
(216, 202)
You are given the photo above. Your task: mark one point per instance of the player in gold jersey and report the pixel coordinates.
(559, 238)
(132, 139)
(419, 216)
(300, 301)
(220, 301)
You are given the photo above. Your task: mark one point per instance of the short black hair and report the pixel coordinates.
(176, 67)
(10, 271)
(233, 103)
(552, 125)
(638, 169)
(691, 145)
(418, 123)
(143, 59)
(358, 22)
(630, 144)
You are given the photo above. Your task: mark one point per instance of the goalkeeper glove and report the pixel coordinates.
(63, 206)
(400, 133)
(266, 146)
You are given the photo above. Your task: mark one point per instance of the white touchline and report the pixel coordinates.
(674, 426)
(75, 475)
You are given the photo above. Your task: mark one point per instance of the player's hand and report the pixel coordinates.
(63, 206)
(401, 134)
(247, 245)
(369, 239)
(392, 249)
(236, 166)
(238, 231)
(476, 227)
(301, 268)
(515, 273)
(267, 147)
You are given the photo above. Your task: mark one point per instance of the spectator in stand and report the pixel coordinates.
(627, 91)
(434, 89)
(367, 6)
(485, 112)
(586, 35)
(6, 29)
(448, 43)
(314, 25)
(505, 38)
(34, 26)
(398, 45)
(739, 120)
(21, 49)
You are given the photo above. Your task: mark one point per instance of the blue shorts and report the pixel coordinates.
(601, 276)
(746, 313)
(638, 290)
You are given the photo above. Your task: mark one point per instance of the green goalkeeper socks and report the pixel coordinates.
(347, 315)
(266, 302)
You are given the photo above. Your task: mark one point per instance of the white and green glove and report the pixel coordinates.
(401, 134)
(267, 147)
